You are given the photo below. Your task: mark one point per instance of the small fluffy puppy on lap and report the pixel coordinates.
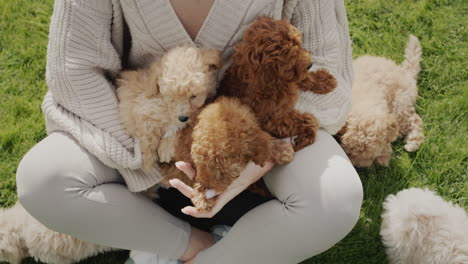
(157, 102)
(220, 143)
(270, 67)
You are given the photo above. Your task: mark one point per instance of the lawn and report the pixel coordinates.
(378, 27)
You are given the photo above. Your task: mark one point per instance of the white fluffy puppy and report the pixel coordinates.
(23, 236)
(419, 227)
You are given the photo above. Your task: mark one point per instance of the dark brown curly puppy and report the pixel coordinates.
(225, 138)
(269, 67)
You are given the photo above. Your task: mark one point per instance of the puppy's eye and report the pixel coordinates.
(193, 97)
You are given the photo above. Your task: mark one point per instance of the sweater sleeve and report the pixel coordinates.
(80, 57)
(326, 35)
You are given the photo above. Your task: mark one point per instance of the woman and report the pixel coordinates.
(82, 178)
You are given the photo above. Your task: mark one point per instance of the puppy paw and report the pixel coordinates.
(383, 160)
(325, 81)
(200, 201)
(283, 152)
(202, 204)
(167, 149)
(307, 132)
(411, 146)
(166, 157)
(304, 139)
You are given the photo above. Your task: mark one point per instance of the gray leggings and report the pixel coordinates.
(318, 201)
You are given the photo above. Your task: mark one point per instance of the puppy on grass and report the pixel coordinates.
(384, 95)
(23, 236)
(269, 69)
(157, 102)
(419, 227)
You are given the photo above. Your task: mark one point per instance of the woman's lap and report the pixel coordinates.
(320, 175)
(71, 191)
(318, 200)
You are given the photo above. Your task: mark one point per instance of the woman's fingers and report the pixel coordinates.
(221, 200)
(248, 176)
(182, 187)
(186, 168)
(192, 211)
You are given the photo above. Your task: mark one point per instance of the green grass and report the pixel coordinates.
(377, 27)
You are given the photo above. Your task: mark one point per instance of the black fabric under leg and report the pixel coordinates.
(173, 201)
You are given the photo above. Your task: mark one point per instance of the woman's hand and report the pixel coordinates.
(249, 175)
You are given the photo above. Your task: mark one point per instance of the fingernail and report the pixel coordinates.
(210, 194)
(184, 211)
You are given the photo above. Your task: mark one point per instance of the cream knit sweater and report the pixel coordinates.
(87, 47)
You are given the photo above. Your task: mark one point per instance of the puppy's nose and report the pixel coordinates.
(183, 118)
(310, 66)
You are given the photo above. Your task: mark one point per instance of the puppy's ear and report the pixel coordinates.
(261, 69)
(248, 56)
(212, 59)
(297, 68)
(150, 78)
(138, 81)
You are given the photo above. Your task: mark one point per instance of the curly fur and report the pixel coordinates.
(223, 140)
(383, 108)
(153, 99)
(269, 67)
(419, 227)
(23, 236)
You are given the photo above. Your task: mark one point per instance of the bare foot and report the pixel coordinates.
(199, 240)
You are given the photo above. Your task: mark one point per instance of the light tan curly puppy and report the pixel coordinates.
(383, 108)
(156, 102)
(23, 236)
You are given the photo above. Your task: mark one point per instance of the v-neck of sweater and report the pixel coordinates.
(164, 24)
(192, 13)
